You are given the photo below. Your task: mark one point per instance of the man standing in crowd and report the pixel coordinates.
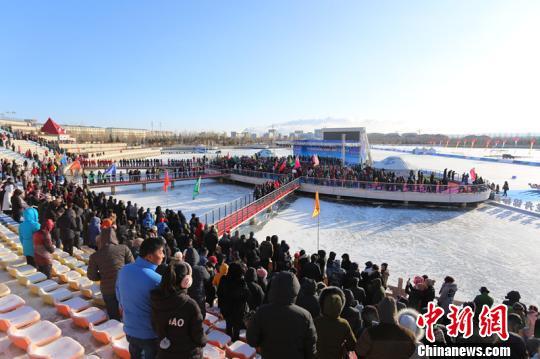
(133, 287)
(104, 265)
(282, 329)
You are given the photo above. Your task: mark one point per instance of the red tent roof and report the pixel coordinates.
(52, 128)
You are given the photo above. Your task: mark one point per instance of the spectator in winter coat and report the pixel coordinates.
(482, 299)
(223, 269)
(68, 226)
(388, 339)
(211, 241)
(8, 190)
(233, 294)
(26, 232)
(256, 296)
(384, 274)
(307, 297)
(17, 205)
(162, 227)
(312, 270)
(334, 272)
(94, 229)
(104, 266)
(266, 251)
(429, 294)
(176, 317)
(282, 329)
(351, 314)
(133, 286)
(43, 248)
(375, 291)
(358, 292)
(416, 293)
(335, 337)
(200, 276)
(447, 293)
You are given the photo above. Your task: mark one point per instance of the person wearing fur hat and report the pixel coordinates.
(335, 336)
(176, 317)
(407, 319)
(388, 339)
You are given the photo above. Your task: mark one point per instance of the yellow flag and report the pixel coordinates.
(317, 208)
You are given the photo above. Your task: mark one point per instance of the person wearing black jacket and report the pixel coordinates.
(281, 328)
(176, 317)
(69, 229)
(307, 297)
(200, 277)
(233, 294)
(256, 296)
(312, 270)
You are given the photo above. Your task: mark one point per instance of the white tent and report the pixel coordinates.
(394, 163)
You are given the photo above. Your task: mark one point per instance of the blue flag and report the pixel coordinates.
(110, 171)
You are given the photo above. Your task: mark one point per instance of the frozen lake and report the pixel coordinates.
(487, 246)
(213, 195)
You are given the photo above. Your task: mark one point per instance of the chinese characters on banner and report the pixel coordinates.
(490, 321)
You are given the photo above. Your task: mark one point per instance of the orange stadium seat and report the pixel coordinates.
(40, 333)
(63, 348)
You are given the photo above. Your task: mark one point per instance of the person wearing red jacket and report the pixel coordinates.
(43, 248)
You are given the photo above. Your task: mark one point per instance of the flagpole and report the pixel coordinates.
(318, 221)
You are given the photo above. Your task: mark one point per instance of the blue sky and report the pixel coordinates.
(450, 66)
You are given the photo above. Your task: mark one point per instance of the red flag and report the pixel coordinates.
(167, 181)
(283, 166)
(276, 165)
(228, 155)
(473, 174)
(297, 163)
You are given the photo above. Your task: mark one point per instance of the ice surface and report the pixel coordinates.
(213, 195)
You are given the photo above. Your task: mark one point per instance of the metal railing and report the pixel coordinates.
(236, 212)
(251, 173)
(397, 187)
(145, 178)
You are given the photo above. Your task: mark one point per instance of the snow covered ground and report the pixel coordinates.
(213, 195)
(487, 246)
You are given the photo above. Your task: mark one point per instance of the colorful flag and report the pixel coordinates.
(290, 162)
(472, 172)
(317, 209)
(283, 166)
(167, 181)
(111, 171)
(197, 188)
(533, 141)
(315, 160)
(297, 163)
(228, 155)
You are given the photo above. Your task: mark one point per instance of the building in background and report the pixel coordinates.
(350, 145)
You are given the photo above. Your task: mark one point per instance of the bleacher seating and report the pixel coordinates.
(81, 301)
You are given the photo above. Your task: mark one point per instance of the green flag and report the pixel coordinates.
(197, 188)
